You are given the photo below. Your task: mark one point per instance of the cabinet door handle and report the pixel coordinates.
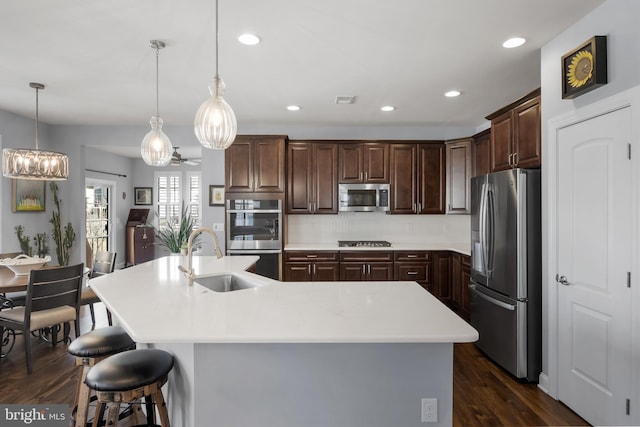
(314, 269)
(361, 176)
(515, 159)
(309, 268)
(366, 176)
(364, 271)
(419, 207)
(369, 269)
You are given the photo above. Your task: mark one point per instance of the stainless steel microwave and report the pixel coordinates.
(363, 197)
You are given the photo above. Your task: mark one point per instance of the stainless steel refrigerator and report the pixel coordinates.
(506, 290)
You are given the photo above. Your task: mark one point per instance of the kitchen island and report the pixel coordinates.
(289, 354)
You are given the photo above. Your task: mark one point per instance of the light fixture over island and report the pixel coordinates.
(289, 353)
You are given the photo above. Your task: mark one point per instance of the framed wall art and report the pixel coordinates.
(216, 195)
(28, 195)
(143, 195)
(584, 68)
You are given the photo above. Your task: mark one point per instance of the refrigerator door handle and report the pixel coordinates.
(490, 242)
(483, 229)
(494, 301)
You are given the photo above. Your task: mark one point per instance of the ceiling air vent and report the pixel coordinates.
(345, 100)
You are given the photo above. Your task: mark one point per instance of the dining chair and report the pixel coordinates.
(53, 298)
(103, 263)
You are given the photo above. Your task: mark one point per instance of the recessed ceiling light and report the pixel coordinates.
(388, 108)
(249, 39)
(293, 107)
(452, 93)
(513, 42)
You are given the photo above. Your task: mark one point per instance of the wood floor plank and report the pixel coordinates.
(483, 393)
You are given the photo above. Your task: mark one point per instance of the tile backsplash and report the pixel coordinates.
(327, 229)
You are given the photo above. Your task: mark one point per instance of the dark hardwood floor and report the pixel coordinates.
(483, 393)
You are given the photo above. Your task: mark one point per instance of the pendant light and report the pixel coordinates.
(215, 124)
(156, 146)
(25, 163)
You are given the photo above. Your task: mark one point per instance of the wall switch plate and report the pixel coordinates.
(218, 226)
(429, 410)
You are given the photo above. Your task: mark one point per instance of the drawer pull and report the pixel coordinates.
(412, 256)
(312, 256)
(412, 273)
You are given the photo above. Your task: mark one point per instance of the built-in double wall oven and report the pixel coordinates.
(254, 227)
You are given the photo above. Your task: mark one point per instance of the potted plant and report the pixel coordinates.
(175, 235)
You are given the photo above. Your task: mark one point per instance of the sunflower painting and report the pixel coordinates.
(584, 68)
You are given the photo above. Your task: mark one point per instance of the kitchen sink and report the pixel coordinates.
(226, 283)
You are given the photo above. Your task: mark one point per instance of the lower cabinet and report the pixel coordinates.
(414, 266)
(303, 266)
(442, 276)
(460, 277)
(366, 265)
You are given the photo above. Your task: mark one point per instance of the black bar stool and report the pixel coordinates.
(128, 377)
(90, 349)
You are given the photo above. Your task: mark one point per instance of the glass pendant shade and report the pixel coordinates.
(215, 124)
(26, 163)
(34, 164)
(156, 148)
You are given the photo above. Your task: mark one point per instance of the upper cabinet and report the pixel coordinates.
(481, 153)
(255, 164)
(515, 134)
(458, 157)
(417, 178)
(312, 177)
(363, 162)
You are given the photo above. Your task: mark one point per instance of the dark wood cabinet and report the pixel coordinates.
(482, 153)
(363, 162)
(312, 177)
(515, 134)
(414, 266)
(366, 265)
(417, 178)
(458, 171)
(442, 275)
(255, 164)
(305, 266)
(140, 244)
(460, 277)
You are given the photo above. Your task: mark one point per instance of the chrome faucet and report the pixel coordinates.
(189, 271)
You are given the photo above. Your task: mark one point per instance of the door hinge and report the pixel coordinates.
(628, 406)
(628, 279)
(628, 151)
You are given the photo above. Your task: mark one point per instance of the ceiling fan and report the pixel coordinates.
(177, 159)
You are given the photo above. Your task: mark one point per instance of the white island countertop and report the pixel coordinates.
(155, 304)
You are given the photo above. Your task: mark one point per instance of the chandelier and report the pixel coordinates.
(26, 163)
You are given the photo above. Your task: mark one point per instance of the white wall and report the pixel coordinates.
(617, 19)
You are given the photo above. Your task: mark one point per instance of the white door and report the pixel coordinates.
(594, 255)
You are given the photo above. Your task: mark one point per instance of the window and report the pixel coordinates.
(98, 208)
(173, 191)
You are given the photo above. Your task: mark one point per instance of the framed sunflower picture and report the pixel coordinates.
(584, 68)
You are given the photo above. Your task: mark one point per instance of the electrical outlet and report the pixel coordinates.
(429, 410)
(218, 226)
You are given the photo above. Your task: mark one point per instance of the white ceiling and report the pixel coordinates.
(94, 57)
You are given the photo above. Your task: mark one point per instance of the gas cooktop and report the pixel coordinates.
(363, 243)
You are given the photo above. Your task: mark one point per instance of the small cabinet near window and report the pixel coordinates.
(366, 265)
(255, 164)
(309, 266)
(363, 162)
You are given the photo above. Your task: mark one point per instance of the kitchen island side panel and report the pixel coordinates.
(338, 385)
